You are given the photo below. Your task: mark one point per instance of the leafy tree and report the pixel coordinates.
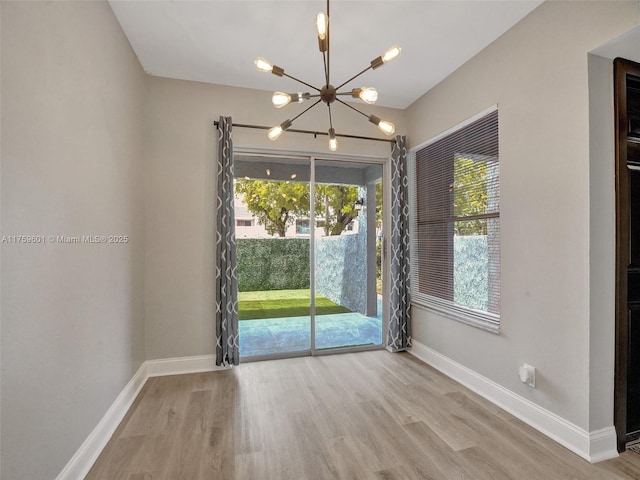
(338, 204)
(274, 204)
(470, 195)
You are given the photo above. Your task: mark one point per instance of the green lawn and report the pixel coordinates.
(283, 303)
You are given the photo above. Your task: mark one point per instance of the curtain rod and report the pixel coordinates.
(310, 132)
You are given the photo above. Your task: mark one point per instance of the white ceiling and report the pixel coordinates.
(216, 41)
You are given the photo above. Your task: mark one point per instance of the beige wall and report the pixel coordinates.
(180, 195)
(537, 74)
(72, 164)
(91, 146)
(1, 231)
(601, 242)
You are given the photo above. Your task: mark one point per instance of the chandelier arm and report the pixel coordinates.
(300, 81)
(326, 68)
(305, 111)
(354, 77)
(330, 119)
(352, 108)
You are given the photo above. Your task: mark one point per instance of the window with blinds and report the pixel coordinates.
(456, 224)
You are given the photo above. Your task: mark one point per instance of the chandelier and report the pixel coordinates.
(328, 94)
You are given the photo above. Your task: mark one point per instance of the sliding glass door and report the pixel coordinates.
(308, 246)
(347, 266)
(273, 251)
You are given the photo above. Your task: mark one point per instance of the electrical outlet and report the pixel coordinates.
(528, 375)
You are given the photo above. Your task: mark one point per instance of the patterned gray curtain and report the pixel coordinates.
(227, 342)
(400, 318)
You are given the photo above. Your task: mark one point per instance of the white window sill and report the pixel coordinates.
(476, 318)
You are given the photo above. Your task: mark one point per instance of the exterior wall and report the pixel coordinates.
(72, 164)
(537, 74)
(341, 269)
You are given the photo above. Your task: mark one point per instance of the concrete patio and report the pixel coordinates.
(293, 334)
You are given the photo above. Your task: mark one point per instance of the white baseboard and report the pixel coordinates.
(85, 457)
(603, 444)
(180, 365)
(592, 446)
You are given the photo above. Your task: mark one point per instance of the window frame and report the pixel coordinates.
(478, 318)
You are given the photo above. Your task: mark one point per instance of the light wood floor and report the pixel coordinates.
(372, 415)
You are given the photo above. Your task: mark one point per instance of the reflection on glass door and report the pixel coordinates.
(273, 252)
(347, 266)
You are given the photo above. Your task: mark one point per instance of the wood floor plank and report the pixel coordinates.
(361, 416)
(116, 462)
(218, 455)
(344, 456)
(518, 457)
(485, 466)
(441, 454)
(559, 459)
(152, 401)
(154, 456)
(141, 476)
(625, 467)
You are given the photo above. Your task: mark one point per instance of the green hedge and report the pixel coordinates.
(272, 264)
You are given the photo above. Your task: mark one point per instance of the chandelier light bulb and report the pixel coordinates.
(263, 65)
(391, 53)
(386, 57)
(366, 94)
(333, 142)
(322, 21)
(276, 131)
(280, 99)
(322, 25)
(387, 127)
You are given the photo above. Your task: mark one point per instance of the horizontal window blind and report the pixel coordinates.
(456, 234)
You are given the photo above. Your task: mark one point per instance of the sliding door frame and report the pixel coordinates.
(312, 252)
(385, 163)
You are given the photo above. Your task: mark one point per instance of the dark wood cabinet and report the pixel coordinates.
(627, 381)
